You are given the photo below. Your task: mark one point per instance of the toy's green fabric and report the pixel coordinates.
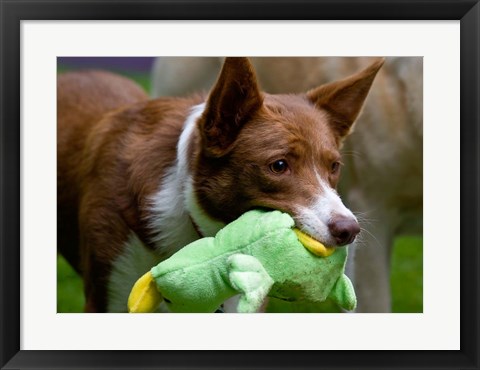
(256, 256)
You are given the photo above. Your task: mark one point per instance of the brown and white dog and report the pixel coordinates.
(139, 179)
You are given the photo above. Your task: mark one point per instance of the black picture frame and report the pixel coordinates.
(13, 12)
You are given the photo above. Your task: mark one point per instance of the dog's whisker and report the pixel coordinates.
(369, 222)
(372, 236)
(358, 213)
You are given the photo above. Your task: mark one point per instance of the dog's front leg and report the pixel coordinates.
(103, 238)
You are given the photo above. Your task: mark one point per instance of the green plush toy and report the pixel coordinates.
(260, 254)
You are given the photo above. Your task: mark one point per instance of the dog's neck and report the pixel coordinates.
(177, 218)
(206, 225)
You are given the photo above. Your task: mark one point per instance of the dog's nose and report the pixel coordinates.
(343, 229)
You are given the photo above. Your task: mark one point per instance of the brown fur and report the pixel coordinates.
(113, 147)
(81, 101)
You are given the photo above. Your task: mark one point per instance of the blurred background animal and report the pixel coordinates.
(383, 173)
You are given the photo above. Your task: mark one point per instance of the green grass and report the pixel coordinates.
(69, 288)
(406, 278)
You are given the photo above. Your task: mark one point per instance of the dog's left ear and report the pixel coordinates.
(344, 99)
(233, 99)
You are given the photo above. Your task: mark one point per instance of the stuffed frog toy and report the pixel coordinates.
(259, 255)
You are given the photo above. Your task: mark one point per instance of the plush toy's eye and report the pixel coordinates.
(335, 167)
(279, 167)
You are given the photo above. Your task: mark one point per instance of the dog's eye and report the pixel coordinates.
(279, 167)
(335, 167)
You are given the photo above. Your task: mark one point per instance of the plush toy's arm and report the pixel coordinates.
(343, 293)
(248, 276)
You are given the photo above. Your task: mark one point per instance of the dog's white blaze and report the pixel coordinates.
(127, 268)
(315, 218)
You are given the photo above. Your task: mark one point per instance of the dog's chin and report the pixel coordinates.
(322, 236)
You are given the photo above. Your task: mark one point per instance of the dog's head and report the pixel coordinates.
(278, 151)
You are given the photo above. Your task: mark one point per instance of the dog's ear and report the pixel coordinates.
(232, 101)
(344, 99)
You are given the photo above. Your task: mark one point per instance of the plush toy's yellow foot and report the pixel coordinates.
(313, 245)
(144, 296)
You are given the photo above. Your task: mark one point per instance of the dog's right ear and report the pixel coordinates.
(232, 101)
(344, 99)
